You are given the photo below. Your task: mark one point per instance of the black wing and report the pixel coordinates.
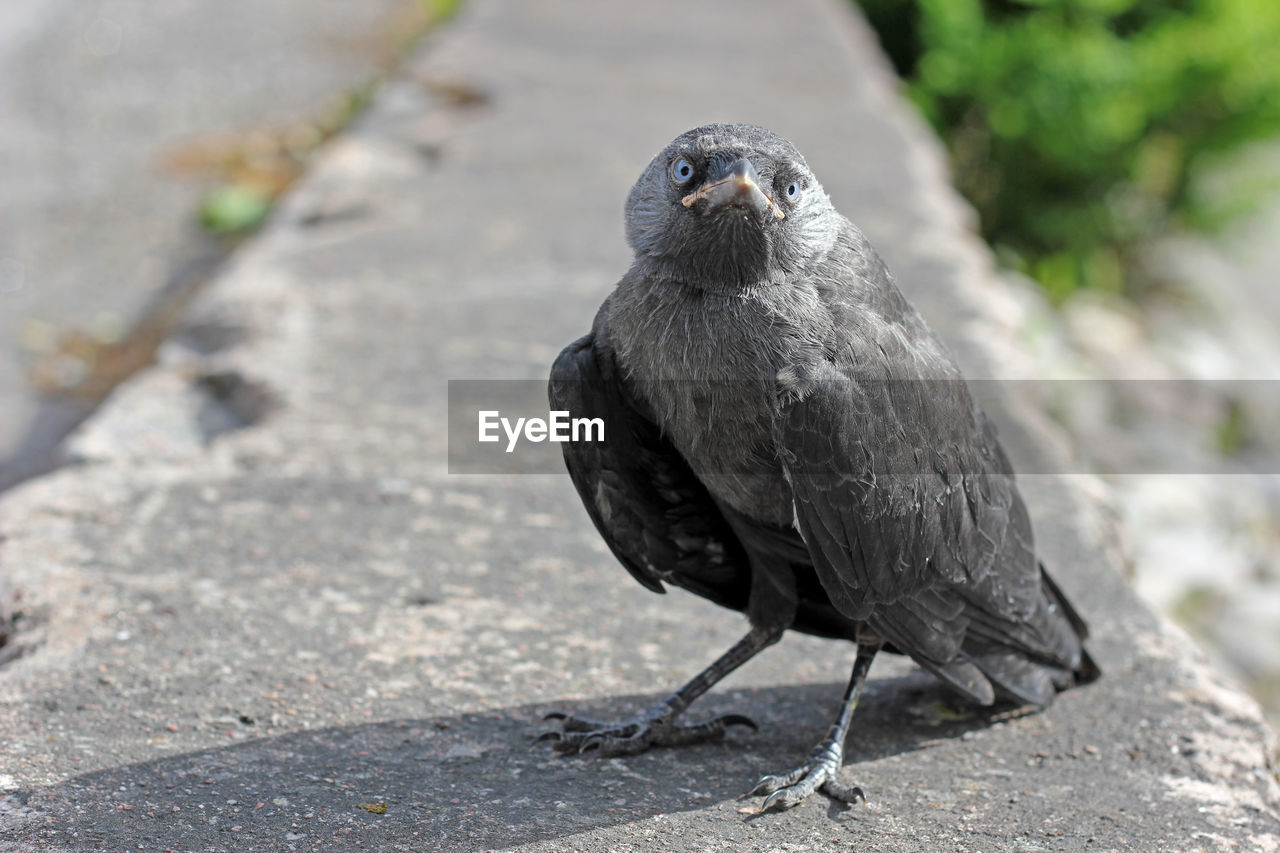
(915, 524)
(654, 513)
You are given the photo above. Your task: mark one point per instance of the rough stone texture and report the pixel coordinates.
(243, 635)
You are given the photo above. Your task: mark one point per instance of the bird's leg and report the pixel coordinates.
(657, 726)
(820, 771)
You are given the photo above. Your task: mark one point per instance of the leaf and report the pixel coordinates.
(233, 207)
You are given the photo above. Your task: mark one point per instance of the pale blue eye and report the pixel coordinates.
(792, 191)
(681, 171)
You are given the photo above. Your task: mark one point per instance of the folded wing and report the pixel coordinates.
(914, 522)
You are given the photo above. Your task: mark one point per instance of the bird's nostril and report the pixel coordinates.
(742, 168)
(732, 166)
(728, 164)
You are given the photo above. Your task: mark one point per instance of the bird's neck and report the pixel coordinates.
(725, 279)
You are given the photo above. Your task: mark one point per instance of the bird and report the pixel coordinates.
(785, 436)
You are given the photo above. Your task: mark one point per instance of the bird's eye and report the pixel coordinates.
(792, 192)
(681, 171)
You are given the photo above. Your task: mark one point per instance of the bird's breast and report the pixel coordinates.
(707, 366)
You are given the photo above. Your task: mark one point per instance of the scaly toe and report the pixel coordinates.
(579, 734)
(788, 790)
(633, 745)
(843, 793)
(769, 784)
(781, 800)
(570, 723)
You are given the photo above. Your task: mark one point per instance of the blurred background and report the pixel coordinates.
(1123, 157)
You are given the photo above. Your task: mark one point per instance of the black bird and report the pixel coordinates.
(786, 437)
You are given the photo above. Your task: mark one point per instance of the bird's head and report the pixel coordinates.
(727, 206)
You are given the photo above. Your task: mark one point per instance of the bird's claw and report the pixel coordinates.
(789, 789)
(578, 734)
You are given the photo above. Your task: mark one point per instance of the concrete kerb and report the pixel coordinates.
(179, 577)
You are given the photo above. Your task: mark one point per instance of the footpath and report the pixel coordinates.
(261, 615)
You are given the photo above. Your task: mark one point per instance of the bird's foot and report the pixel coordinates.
(817, 774)
(656, 728)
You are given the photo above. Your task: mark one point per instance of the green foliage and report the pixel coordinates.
(1232, 432)
(1078, 128)
(234, 208)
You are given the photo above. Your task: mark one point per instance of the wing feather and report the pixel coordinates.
(655, 515)
(914, 519)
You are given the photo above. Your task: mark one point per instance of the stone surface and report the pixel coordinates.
(246, 639)
(98, 96)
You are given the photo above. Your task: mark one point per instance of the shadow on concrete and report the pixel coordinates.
(37, 453)
(105, 366)
(466, 781)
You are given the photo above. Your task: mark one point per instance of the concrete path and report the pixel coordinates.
(262, 609)
(97, 97)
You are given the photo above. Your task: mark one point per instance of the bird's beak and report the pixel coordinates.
(738, 186)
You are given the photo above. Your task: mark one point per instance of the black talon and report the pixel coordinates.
(739, 720)
(546, 736)
(776, 800)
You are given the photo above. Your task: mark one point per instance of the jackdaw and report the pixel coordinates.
(786, 437)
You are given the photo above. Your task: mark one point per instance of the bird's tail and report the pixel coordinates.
(1052, 658)
(1088, 669)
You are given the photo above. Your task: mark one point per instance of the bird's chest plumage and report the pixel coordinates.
(707, 366)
